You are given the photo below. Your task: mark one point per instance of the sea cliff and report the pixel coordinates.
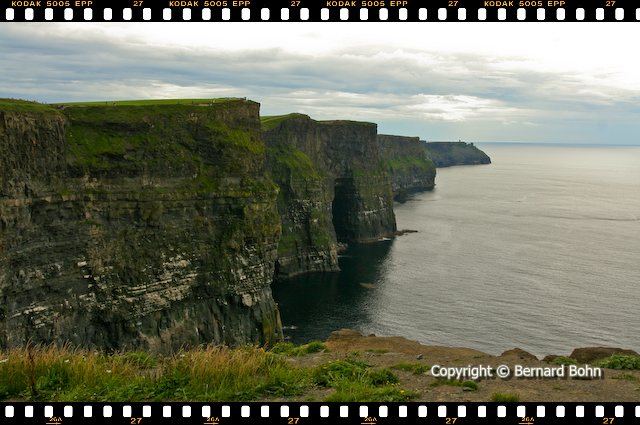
(136, 226)
(446, 154)
(161, 224)
(409, 164)
(335, 187)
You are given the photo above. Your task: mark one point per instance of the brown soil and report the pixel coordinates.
(615, 385)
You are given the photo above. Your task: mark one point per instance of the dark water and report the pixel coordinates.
(540, 250)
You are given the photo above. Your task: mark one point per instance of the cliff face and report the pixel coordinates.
(156, 225)
(410, 167)
(136, 226)
(446, 154)
(308, 241)
(334, 185)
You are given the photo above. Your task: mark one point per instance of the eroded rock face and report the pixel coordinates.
(411, 168)
(147, 227)
(590, 354)
(334, 186)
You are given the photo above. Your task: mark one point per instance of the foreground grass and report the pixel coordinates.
(505, 397)
(355, 380)
(618, 361)
(206, 374)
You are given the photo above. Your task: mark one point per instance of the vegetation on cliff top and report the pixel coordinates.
(205, 374)
(17, 105)
(162, 137)
(406, 163)
(271, 122)
(197, 102)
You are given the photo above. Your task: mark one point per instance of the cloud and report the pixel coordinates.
(410, 86)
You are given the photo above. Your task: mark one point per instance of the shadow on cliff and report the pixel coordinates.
(313, 305)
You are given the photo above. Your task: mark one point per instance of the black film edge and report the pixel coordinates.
(319, 11)
(300, 413)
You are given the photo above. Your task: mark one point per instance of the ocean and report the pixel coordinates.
(539, 250)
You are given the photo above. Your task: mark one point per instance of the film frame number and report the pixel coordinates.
(607, 421)
(293, 421)
(135, 421)
(450, 421)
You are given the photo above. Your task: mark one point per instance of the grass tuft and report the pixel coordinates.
(505, 397)
(290, 349)
(470, 385)
(563, 360)
(619, 361)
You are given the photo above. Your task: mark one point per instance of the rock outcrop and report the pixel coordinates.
(591, 354)
(411, 168)
(147, 227)
(446, 154)
(335, 186)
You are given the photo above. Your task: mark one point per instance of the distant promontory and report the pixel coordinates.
(446, 154)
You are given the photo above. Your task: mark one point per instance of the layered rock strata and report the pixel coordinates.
(147, 227)
(411, 168)
(335, 186)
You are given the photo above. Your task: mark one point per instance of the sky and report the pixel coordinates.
(529, 82)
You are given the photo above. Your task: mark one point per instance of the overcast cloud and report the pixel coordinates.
(576, 83)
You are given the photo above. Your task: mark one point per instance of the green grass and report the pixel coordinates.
(355, 380)
(290, 162)
(212, 373)
(354, 392)
(625, 377)
(505, 397)
(619, 361)
(406, 163)
(273, 121)
(161, 137)
(290, 349)
(471, 385)
(415, 368)
(150, 102)
(17, 105)
(563, 360)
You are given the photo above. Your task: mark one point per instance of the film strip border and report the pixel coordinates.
(319, 413)
(319, 10)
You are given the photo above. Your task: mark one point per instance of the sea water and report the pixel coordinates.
(538, 250)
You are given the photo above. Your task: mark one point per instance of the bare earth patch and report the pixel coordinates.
(406, 357)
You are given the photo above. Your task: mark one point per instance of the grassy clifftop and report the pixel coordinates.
(149, 102)
(16, 105)
(166, 137)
